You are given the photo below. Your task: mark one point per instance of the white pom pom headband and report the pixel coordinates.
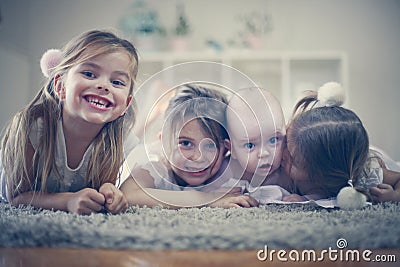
(331, 94)
(50, 59)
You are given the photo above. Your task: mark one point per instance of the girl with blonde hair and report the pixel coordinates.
(64, 150)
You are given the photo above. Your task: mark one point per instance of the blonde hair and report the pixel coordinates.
(107, 153)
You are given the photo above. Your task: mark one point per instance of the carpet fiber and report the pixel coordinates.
(277, 226)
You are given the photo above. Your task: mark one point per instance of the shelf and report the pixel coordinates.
(285, 73)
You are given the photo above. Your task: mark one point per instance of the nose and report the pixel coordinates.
(202, 155)
(264, 152)
(103, 84)
(197, 155)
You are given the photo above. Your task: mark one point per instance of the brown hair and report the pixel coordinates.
(206, 105)
(330, 143)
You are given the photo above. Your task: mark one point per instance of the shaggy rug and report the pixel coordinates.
(277, 226)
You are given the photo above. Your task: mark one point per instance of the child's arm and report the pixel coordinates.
(146, 195)
(85, 201)
(389, 190)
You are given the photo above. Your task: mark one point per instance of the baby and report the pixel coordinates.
(256, 127)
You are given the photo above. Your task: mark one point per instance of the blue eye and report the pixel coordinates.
(88, 74)
(249, 146)
(118, 83)
(273, 140)
(210, 146)
(185, 144)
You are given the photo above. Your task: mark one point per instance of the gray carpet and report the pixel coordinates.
(277, 226)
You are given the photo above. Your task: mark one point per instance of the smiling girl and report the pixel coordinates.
(64, 150)
(192, 155)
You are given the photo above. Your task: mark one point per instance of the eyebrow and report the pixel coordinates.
(248, 139)
(185, 137)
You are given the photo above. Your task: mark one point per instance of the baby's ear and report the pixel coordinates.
(58, 86)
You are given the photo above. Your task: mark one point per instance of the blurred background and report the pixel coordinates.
(284, 45)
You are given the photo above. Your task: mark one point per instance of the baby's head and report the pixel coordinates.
(256, 127)
(327, 145)
(194, 132)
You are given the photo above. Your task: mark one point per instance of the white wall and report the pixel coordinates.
(14, 90)
(367, 30)
(14, 60)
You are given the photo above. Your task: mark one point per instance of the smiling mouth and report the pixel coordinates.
(99, 102)
(196, 172)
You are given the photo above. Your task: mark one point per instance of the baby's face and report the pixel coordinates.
(257, 136)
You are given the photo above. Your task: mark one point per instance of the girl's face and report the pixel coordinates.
(97, 90)
(195, 158)
(292, 164)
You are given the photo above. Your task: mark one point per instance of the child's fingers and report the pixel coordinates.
(244, 201)
(108, 191)
(385, 186)
(381, 192)
(253, 202)
(119, 202)
(86, 201)
(94, 206)
(114, 207)
(380, 189)
(97, 201)
(96, 197)
(374, 191)
(120, 207)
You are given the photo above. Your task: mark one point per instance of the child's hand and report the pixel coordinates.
(115, 200)
(235, 201)
(85, 201)
(293, 198)
(383, 193)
